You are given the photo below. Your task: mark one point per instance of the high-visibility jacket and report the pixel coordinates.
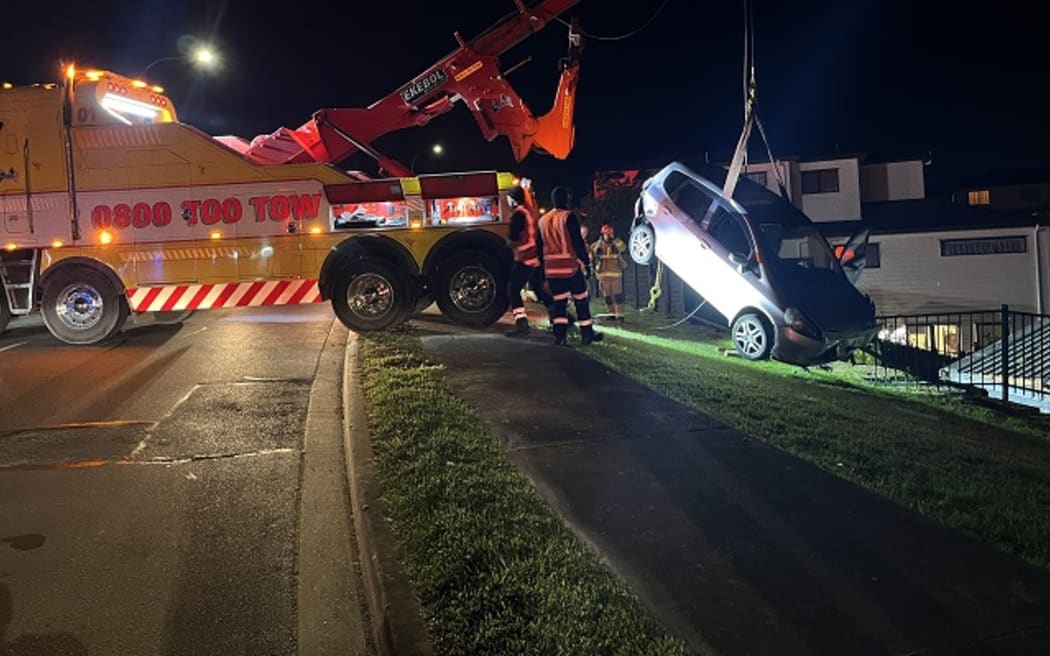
(559, 256)
(525, 246)
(608, 254)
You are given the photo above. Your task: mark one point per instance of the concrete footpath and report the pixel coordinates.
(736, 546)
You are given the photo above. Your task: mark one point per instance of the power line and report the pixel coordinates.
(620, 37)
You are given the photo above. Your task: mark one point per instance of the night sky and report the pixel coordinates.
(888, 78)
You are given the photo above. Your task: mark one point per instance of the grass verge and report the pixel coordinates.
(971, 468)
(496, 571)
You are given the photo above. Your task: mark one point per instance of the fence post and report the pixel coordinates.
(1005, 337)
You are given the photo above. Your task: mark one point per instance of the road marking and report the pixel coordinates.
(11, 347)
(163, 460)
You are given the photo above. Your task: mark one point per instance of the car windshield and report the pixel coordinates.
(794, 245)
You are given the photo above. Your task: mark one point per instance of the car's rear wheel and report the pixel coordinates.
(641, 244)
(752, 336)
(471, 288)
(370, 294)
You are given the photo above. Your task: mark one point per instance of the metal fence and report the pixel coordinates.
(1003, 352)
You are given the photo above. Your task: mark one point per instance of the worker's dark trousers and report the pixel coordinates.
(519, 275)
(563, 289)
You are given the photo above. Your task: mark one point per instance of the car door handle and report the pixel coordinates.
(704, 245)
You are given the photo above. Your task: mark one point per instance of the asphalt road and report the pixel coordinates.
(151, 491)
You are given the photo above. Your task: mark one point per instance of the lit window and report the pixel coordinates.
(821, 181)
(978, 197)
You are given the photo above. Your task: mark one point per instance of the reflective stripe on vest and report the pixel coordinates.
(559, 260)
(525, 248)
(610, 260)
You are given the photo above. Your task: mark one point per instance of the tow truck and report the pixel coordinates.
(109, 205)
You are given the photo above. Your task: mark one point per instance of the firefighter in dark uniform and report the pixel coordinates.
(526, 267)
(565, 259)
(608, 255)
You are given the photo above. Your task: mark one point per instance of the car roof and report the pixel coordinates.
(759, 203)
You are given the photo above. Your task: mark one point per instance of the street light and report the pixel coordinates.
(202, 56)
(436, 149)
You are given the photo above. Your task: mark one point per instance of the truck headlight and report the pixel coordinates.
(800, 323)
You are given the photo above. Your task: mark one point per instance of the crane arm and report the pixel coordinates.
(471, 74)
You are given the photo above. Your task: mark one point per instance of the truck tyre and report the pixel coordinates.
(5, 312)
(471, 288)
(641, 243)
(81, 305)
(371, 294)
(752, 336)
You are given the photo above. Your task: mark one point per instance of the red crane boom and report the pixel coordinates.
(472, 74)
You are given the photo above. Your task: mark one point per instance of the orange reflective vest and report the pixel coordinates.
(525, 248)
(559, 258)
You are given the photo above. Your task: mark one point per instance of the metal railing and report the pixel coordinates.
(1003, 352)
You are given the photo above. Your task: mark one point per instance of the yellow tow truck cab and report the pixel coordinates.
(110, 205)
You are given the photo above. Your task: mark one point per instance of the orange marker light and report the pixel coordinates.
(138, 84)
(10, 247)
(216, 235)
(56, 244)
(71, 71)
(105, 237)
(316, 230)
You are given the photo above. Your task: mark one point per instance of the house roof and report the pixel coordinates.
(931, 215)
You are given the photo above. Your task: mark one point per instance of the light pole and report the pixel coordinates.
(202, 57)
(436, 149)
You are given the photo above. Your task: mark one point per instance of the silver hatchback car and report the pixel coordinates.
(757, 260)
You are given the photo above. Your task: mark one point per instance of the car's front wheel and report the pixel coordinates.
(752, 336)
(641, 243)
(5, 313)
(80, 305)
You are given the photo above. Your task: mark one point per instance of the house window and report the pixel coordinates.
(979, 197)
(758, 177)
(872, 258)
(822, 181)
(986, 246)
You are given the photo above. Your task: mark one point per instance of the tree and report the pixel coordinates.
(613, 204)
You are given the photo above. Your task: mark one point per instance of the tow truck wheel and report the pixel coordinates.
(5, 312)
(80, 305)
(370, 295)
(752, 336)
(641, 243)
(471, 288)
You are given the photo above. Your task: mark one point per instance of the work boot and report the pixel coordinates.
(520, 329)
(561, 337)
(588, 335)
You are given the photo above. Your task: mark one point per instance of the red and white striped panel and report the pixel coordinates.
(224, 295)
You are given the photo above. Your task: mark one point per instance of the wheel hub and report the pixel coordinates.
(472, 289)
(370, 296)
(640, 245)
(750, 337)
(79, 307)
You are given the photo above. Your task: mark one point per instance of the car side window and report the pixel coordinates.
(693, 201)
(727, 231)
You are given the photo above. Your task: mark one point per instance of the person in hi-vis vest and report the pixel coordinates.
(526, 267)
(563, 254)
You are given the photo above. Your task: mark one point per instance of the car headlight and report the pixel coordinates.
(800, 323)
